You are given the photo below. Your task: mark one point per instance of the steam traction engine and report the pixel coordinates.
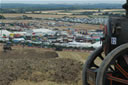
(113, 55)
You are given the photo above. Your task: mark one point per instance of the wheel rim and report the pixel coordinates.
(90, 63)
(114, 69)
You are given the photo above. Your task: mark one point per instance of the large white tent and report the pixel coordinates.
(4, 32)
(21, 33)
(78, 44)
(40, 31)
(97, 44)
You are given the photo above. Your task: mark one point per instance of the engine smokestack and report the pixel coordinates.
(125, 6)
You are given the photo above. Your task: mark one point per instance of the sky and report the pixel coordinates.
(63, 1)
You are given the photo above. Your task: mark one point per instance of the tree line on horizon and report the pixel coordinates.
(22, 8)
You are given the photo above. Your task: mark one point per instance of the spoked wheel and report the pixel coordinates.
(91, 68)
(114, 69)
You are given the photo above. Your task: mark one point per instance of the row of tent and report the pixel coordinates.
(80, 45)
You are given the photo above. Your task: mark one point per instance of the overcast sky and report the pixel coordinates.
(62, 1)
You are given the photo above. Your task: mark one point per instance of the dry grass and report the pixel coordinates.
(11, 21)
(77, 26)
(23, 82)
(112, 10)
(47, 71)
(80, 26)
(78, 11)
(34, 15)
(60, 13)
(81, 56)
(44, 15)
(86, 26)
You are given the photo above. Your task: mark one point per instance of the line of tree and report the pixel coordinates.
(22, 8)
(2, 17)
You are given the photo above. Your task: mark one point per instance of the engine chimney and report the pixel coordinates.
(125, 6)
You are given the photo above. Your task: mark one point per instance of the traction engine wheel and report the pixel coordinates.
(114, 69)
(91, 65)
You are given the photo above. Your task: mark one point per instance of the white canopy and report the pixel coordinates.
(19, 39)
(97, 44)
(78, 44)
(41, 30)
(21, 33)
(4, 32)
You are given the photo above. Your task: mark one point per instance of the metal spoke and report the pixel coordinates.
(111, 69)
(101, 57)
(95, 65)
(120, 80)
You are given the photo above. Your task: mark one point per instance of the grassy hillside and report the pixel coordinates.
(38, 66)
